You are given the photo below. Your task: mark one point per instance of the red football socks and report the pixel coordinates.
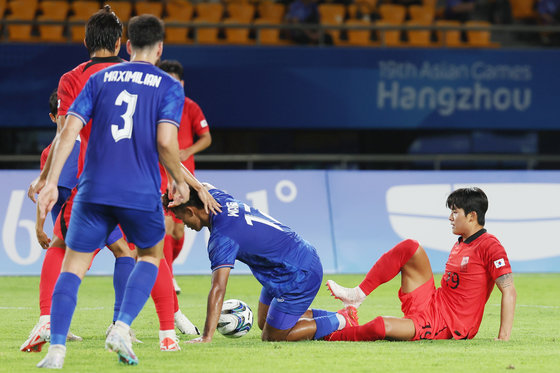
(168, 251)
(372, 331)
(389, 265)
(177, 246)
(163, 294)
(49, 274)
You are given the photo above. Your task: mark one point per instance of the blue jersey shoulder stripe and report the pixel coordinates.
(77, 116)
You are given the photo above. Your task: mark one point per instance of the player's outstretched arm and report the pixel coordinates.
(214, 307)
(39, 182)
(42, 237)
(509, 296)
(210, 204)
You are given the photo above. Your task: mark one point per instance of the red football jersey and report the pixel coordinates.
(70, 86)
(193, 123)
(470, 274)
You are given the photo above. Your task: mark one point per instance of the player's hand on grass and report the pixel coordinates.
(210, 204)
(34, 188)
(200, 340)
(47, 198)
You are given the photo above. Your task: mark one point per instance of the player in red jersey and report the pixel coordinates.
(193, 123)
(477, 261)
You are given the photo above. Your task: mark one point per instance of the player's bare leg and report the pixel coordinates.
(306, 326)
(407, 257)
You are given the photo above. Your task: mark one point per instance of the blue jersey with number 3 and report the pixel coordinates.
(126, 103)
(278, 257)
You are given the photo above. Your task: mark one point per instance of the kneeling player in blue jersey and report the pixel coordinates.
(286, 265)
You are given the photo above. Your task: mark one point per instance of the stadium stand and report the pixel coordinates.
(55, 10)
(332, 15)
(178, 11)
(82, 9)
(21, 10)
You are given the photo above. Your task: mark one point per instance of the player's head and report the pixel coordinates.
(173, 68)
(470, 200)
(145, 32)
(192, 212)
(103, 32)
(53, 105)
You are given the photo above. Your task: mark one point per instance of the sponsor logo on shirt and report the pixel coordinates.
(499, 263)
(464, 263)
(203, 123)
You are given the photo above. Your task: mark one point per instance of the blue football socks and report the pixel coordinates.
(64, 298)
(325, 324)
(123, 267)
(137, 291)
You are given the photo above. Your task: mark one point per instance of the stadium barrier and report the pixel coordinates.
(351, 217)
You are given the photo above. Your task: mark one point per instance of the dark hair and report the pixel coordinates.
(194, 200)
(172, 67)
(103, 29)
(145, 31)
(53, 103)
(469, 199)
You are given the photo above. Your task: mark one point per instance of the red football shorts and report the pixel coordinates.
(421, 307)
(63, 219)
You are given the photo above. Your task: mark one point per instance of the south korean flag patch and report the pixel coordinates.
(499, 263)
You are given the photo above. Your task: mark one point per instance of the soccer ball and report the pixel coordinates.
(236, 319)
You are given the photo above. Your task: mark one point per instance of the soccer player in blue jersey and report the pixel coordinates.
(135, 110)
(286, 265)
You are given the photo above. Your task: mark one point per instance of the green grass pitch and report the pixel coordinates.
(534, 347)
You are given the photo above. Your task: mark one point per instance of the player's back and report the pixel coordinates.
(274, 252)
(126, 102)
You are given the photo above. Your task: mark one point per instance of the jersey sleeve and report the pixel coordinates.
(171, 108)
(222, 251)
(82, 106)
(66, 94)
(196, 118)
(496, 260)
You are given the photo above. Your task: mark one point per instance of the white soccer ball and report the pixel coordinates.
(236, 319)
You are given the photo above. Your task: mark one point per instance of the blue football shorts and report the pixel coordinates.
(92, 225)
(285, 310)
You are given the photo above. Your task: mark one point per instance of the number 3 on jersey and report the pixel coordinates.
(126, 131)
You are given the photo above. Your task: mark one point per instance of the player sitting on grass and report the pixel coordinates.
(455, 309)
(286, 265)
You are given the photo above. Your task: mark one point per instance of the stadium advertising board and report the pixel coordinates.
(351, 217)
(248, 87)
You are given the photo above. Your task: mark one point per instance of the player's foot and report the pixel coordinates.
(184, 325)
(119, 341)
(132, 333)
(168, 341)
(40, 335)
(176, 286)
(349, 296)
(73, 337)
(350, 314)
(54, 358)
